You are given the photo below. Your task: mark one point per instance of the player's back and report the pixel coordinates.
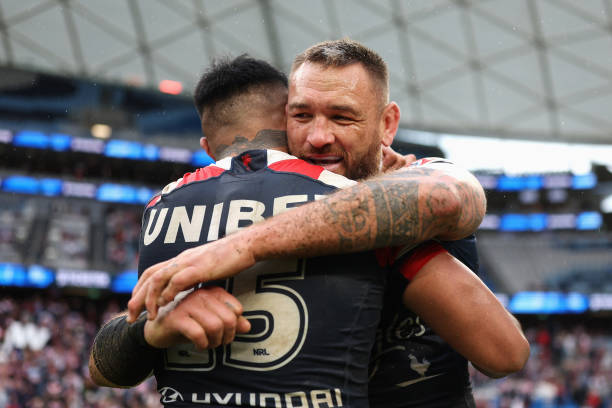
(313, 321)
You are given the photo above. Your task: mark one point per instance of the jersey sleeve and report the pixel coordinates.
(408, 261)
(432, 162)
(412, 262)
(404, 265)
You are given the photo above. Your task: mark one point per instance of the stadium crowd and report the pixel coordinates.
(44, 347)
(45, 340)
(570, 366)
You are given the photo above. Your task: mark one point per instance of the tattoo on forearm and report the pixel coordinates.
(354, 225)
(265, 139)
(473, 202)
(400, 209)
(403, 208)
(397, 212)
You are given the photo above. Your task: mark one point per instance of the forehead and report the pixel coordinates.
(349, 81)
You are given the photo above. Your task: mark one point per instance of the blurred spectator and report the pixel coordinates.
(122, 234)
(49, 369)
(568, 367)
(24, 333)
(68, 239)
(16, 219)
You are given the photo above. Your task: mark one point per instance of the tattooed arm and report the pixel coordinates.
(402, 208)
(405, 207)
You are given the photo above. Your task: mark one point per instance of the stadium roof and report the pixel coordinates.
(536, 69)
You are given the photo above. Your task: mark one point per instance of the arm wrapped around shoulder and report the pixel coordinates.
(468, 204)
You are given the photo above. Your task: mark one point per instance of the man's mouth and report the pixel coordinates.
(327, 162)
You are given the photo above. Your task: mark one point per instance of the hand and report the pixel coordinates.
(392, 160)
(207, 317)
(160, 283)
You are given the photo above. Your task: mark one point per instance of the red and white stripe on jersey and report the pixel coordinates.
(429, 161)
(203, 173)
(280, 161)
(276, 160)
(423, 161)
(297, 166)
(411, 265)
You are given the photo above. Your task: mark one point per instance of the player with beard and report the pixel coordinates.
(339, 117)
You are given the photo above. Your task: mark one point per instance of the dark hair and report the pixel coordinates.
(340, 53)
(227, 77)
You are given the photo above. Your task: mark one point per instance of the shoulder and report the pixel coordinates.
(283, 162)
(437, 166)
(201, 174)
(432, 162)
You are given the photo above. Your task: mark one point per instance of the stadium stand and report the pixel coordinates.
(577, 261)
(16, 220)
(68, 241)
(44, 349)
(122, 230)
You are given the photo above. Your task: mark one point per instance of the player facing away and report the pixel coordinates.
(328, 96)
(301, 350)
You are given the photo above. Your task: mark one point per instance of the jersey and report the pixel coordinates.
(411, 366)
(313, 321)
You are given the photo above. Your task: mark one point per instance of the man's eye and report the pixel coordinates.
(301, 115)
(342, 118)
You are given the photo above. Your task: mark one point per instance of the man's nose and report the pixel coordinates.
(320, 134)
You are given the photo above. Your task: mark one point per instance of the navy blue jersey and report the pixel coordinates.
(313, 321)
(411, 366)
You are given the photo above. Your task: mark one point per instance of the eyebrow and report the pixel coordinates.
(344, 108)
(298, 105)
(341, 108)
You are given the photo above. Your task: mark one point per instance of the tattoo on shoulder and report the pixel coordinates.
(265, 139)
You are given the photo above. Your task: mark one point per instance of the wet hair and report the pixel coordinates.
(229, 78)
(340, 53)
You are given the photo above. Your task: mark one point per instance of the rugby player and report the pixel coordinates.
(293, 356)
(333, 122)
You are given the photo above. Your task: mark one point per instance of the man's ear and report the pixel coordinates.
(390, 122)
(205, 146)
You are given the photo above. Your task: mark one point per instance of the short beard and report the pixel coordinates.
(366, 167)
